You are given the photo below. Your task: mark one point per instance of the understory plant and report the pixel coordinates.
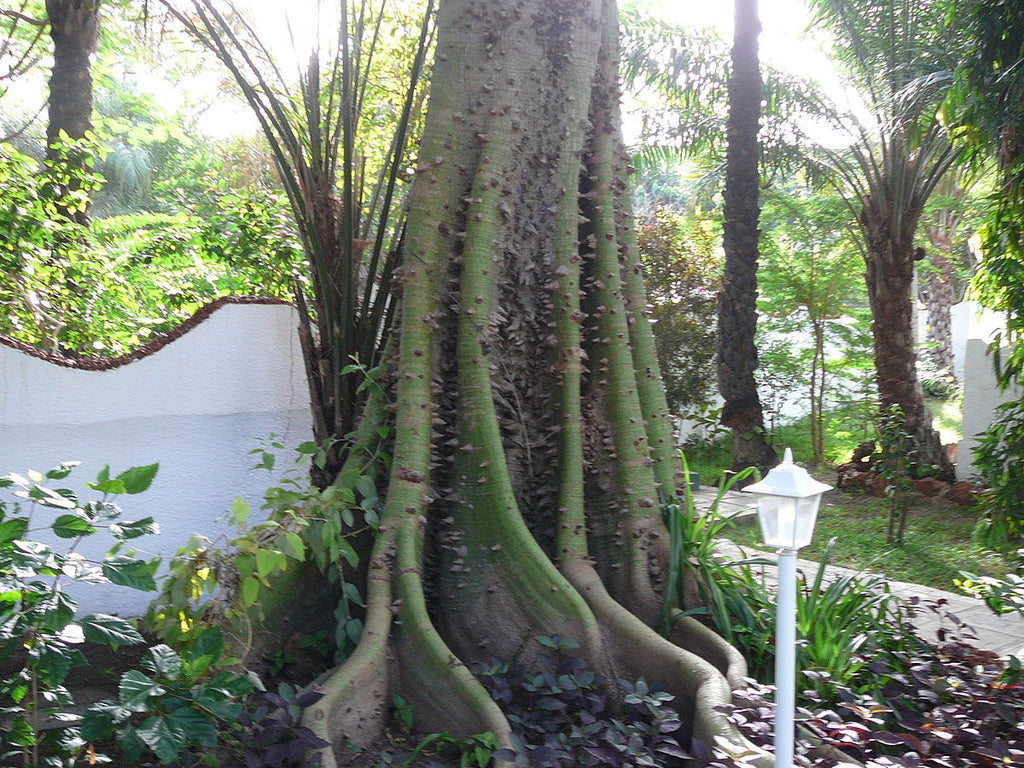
(999, 458)
(176, 702)
(227, 582)
(693, 541)
(41, 533)
(843, 621)
(894, 466)
(947, 705)
(564, 714)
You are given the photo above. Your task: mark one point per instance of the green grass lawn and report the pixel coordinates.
(937, 542)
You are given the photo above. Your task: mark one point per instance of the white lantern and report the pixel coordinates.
(787, 504)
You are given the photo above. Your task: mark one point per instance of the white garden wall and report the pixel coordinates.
(981, 396)
(196, 406)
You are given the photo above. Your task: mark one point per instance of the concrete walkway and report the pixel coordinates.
(1003, 635)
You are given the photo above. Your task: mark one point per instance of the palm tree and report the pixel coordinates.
(898, 55)
(347, 205)
(737, 300)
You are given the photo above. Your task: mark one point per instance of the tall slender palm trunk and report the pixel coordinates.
(737, 301)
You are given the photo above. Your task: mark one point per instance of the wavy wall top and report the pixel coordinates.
(154, 345)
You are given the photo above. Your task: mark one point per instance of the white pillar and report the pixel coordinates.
(785, 659)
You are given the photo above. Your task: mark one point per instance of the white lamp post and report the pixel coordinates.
(787, 507)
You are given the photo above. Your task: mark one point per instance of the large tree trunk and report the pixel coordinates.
(74, 28)
(890, 278)
(737, 301)
(532, 442)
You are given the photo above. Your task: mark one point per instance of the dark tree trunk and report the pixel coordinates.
(737, 301)
(942, 283)
(74, 28)
(890, 278)
(940, 302)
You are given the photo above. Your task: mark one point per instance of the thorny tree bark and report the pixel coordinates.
(737, 301)
(532, 440)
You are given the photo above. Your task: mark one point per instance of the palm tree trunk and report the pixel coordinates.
(890, 276)
(737, 301)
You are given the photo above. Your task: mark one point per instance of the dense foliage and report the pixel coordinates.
(682, 268)
(108, 289)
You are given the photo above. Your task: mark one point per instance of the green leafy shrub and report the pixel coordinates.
(175, 703)
(843, 622)
(564, 714)
(36, 611)
(999, 458)
(226, 583)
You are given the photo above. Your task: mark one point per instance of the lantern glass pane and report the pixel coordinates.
(786, 522)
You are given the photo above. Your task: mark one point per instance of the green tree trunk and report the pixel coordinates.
(530, 426)
(737, 301)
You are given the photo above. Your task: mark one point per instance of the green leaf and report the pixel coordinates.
(138, 479)
(104, 484)
(366, 486)
(48, 498)
(112, 487)
(351, 592)
(296, 545)
(132, 530)
(99, 720)
(163, 735)
(163, 661)
(62, 470)
(239, 514)
(132, 747)
(136, 689)
(13, 529)
(198, 727)
(250, 591)
(131, 572)
(268, 560)
(350, 555)
(71, 527)
(54, 660)
(55, 611)
(309, 447)
(246, 564)
(209, 642)
(110, 630)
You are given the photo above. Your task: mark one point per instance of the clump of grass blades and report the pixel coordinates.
(844, 622)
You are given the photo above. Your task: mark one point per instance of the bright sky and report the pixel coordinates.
(782, 40)
(783, 23)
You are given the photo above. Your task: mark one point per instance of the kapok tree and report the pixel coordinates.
(532, 447)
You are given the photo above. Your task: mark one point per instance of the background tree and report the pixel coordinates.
(898, 56)
(986, 101)
(809, 275)
(74, 29)
(737, 300)
(682, 269)
(943, 276)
